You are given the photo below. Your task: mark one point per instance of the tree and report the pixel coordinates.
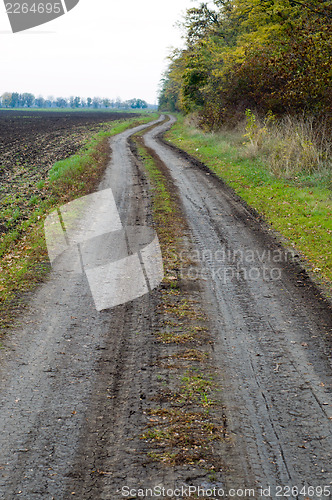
(27, 99)
(142, 104)
(40, 102)
(61, 102)
(96, 102)
(106, 103)
(77, 102)
(50, 101)
(89, 102)
(264, 54)
(137, 104)
(169, 91)
(6, 99)
(15, 101)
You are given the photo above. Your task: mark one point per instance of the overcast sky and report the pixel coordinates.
(106, 48)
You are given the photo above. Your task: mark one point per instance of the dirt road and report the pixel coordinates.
(74, 381)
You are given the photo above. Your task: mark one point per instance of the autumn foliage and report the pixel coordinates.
(268, 55)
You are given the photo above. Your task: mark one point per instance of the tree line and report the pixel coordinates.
(268, 55)
(28, 100)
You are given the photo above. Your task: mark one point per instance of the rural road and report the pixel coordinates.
(74, 380)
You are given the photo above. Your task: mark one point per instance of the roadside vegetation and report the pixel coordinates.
(24, 206)
(271, 56)
(184, 425)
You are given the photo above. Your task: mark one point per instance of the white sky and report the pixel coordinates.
(105, 48)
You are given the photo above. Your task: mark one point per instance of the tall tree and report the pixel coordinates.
(15, 101)
(40, 102)
(106, 103)
(96, 102)
(6, 99)
(27, 99)
(61, 102)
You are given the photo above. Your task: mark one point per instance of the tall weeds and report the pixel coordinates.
(293, 147)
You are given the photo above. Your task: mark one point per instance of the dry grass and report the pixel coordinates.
(188, 434)
(288, 147)
(291, 146)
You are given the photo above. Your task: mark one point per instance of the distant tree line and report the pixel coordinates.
(27, 100)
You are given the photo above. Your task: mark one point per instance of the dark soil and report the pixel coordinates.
(31, 142)
(38, 139)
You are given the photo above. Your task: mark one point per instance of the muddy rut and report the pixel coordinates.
(75, 382)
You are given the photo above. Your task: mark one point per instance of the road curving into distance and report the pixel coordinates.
(73, 380)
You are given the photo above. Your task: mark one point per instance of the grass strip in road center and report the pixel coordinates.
(187, 420)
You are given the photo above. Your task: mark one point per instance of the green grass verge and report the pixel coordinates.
(301, 214)
(165, 211)
(23, 254)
